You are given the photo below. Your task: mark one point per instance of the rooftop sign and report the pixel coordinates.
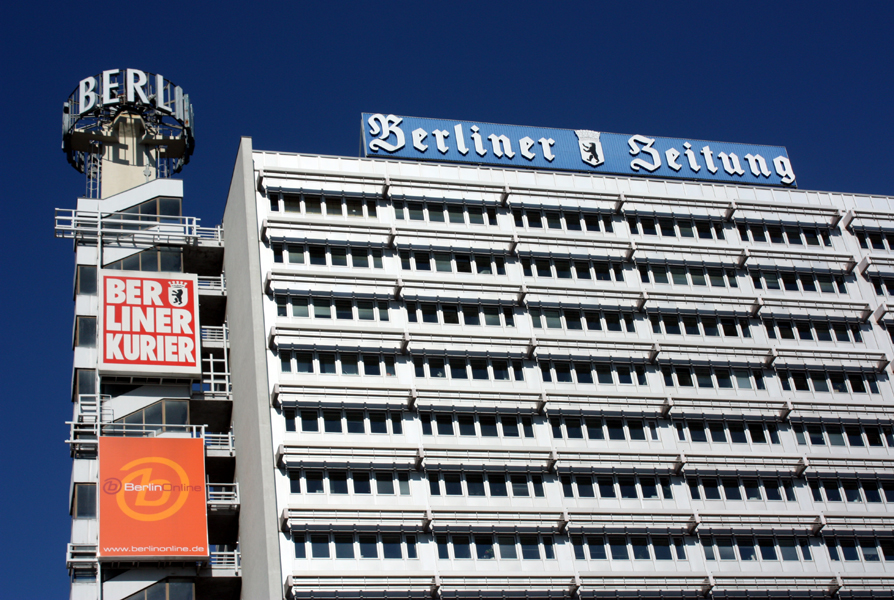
(98, 100)
(582, 150)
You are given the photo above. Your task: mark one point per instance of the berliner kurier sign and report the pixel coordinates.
(574, 150)
(149, 323)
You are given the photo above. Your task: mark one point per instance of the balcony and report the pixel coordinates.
(223, 497)
(214, 337)
(90, 409)
(219, 445)
(223, 563)
(81, 557)
(212, 286)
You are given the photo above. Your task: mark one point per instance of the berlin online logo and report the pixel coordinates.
(155, 491)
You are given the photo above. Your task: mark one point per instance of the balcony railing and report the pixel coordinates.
(211, 333)
(223, 496)
(220, 442)
(83, 556)
(225, 560)
(84, 437)
(92, 225)
(90, 409)
(212, 284)
(80, 556)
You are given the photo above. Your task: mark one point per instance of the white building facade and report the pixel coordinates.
(473, 381)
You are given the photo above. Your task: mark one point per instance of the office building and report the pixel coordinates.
(505, 372)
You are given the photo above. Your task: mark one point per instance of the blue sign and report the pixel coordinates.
(583, 150)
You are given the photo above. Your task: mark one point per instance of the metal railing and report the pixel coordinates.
(223, 494)
(212, 284)
(90, 409)
(80, 556)
(220, 442)
(212, 333)
(83, 556)
(83, 438)
(229, 560)
(92, 225)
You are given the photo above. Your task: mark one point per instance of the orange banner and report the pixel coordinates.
(152, 497)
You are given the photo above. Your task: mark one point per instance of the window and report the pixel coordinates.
(325, 307)
(562, 268)
(443, 212)
(852, 490)
(671, 227)
(337, 256)
(573, 319)
(853, 434)
(843, 382)
(480, 425)
(349, 421)
(883, 286)
(713, 377)
(798, 281)
(734, 432)
(507, 547)
(148, 214)
(567, 220)
(494, 485)
(349, 482)
(589, 373)
(468, 368)
(809, 330)
(469, 314)
(83, 504)
(866, 549)
(689, 275)
(151, 260)
(155, 416)
(748, 548)
(85, 332)
(167, 589)
(699, 325)
(86, 280)
(625, 548)
(620, 486)
(336, 363)
(355, 545)
(793, 235)
(330, 205)
(599, 428)
(479, 263)
(874, 240)
(740, 488)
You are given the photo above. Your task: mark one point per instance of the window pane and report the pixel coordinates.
(368, 546)
(361, 482)
(507, 547)
(391, 546)
(484, 547)
(530, 547)
(618, 546)
(319, 544)
(338, 482)
(344, 545)
(384, 482)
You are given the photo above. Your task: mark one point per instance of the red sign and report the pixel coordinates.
(149, 323)
(152, 498)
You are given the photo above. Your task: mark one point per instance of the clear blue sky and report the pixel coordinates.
(812, 76)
